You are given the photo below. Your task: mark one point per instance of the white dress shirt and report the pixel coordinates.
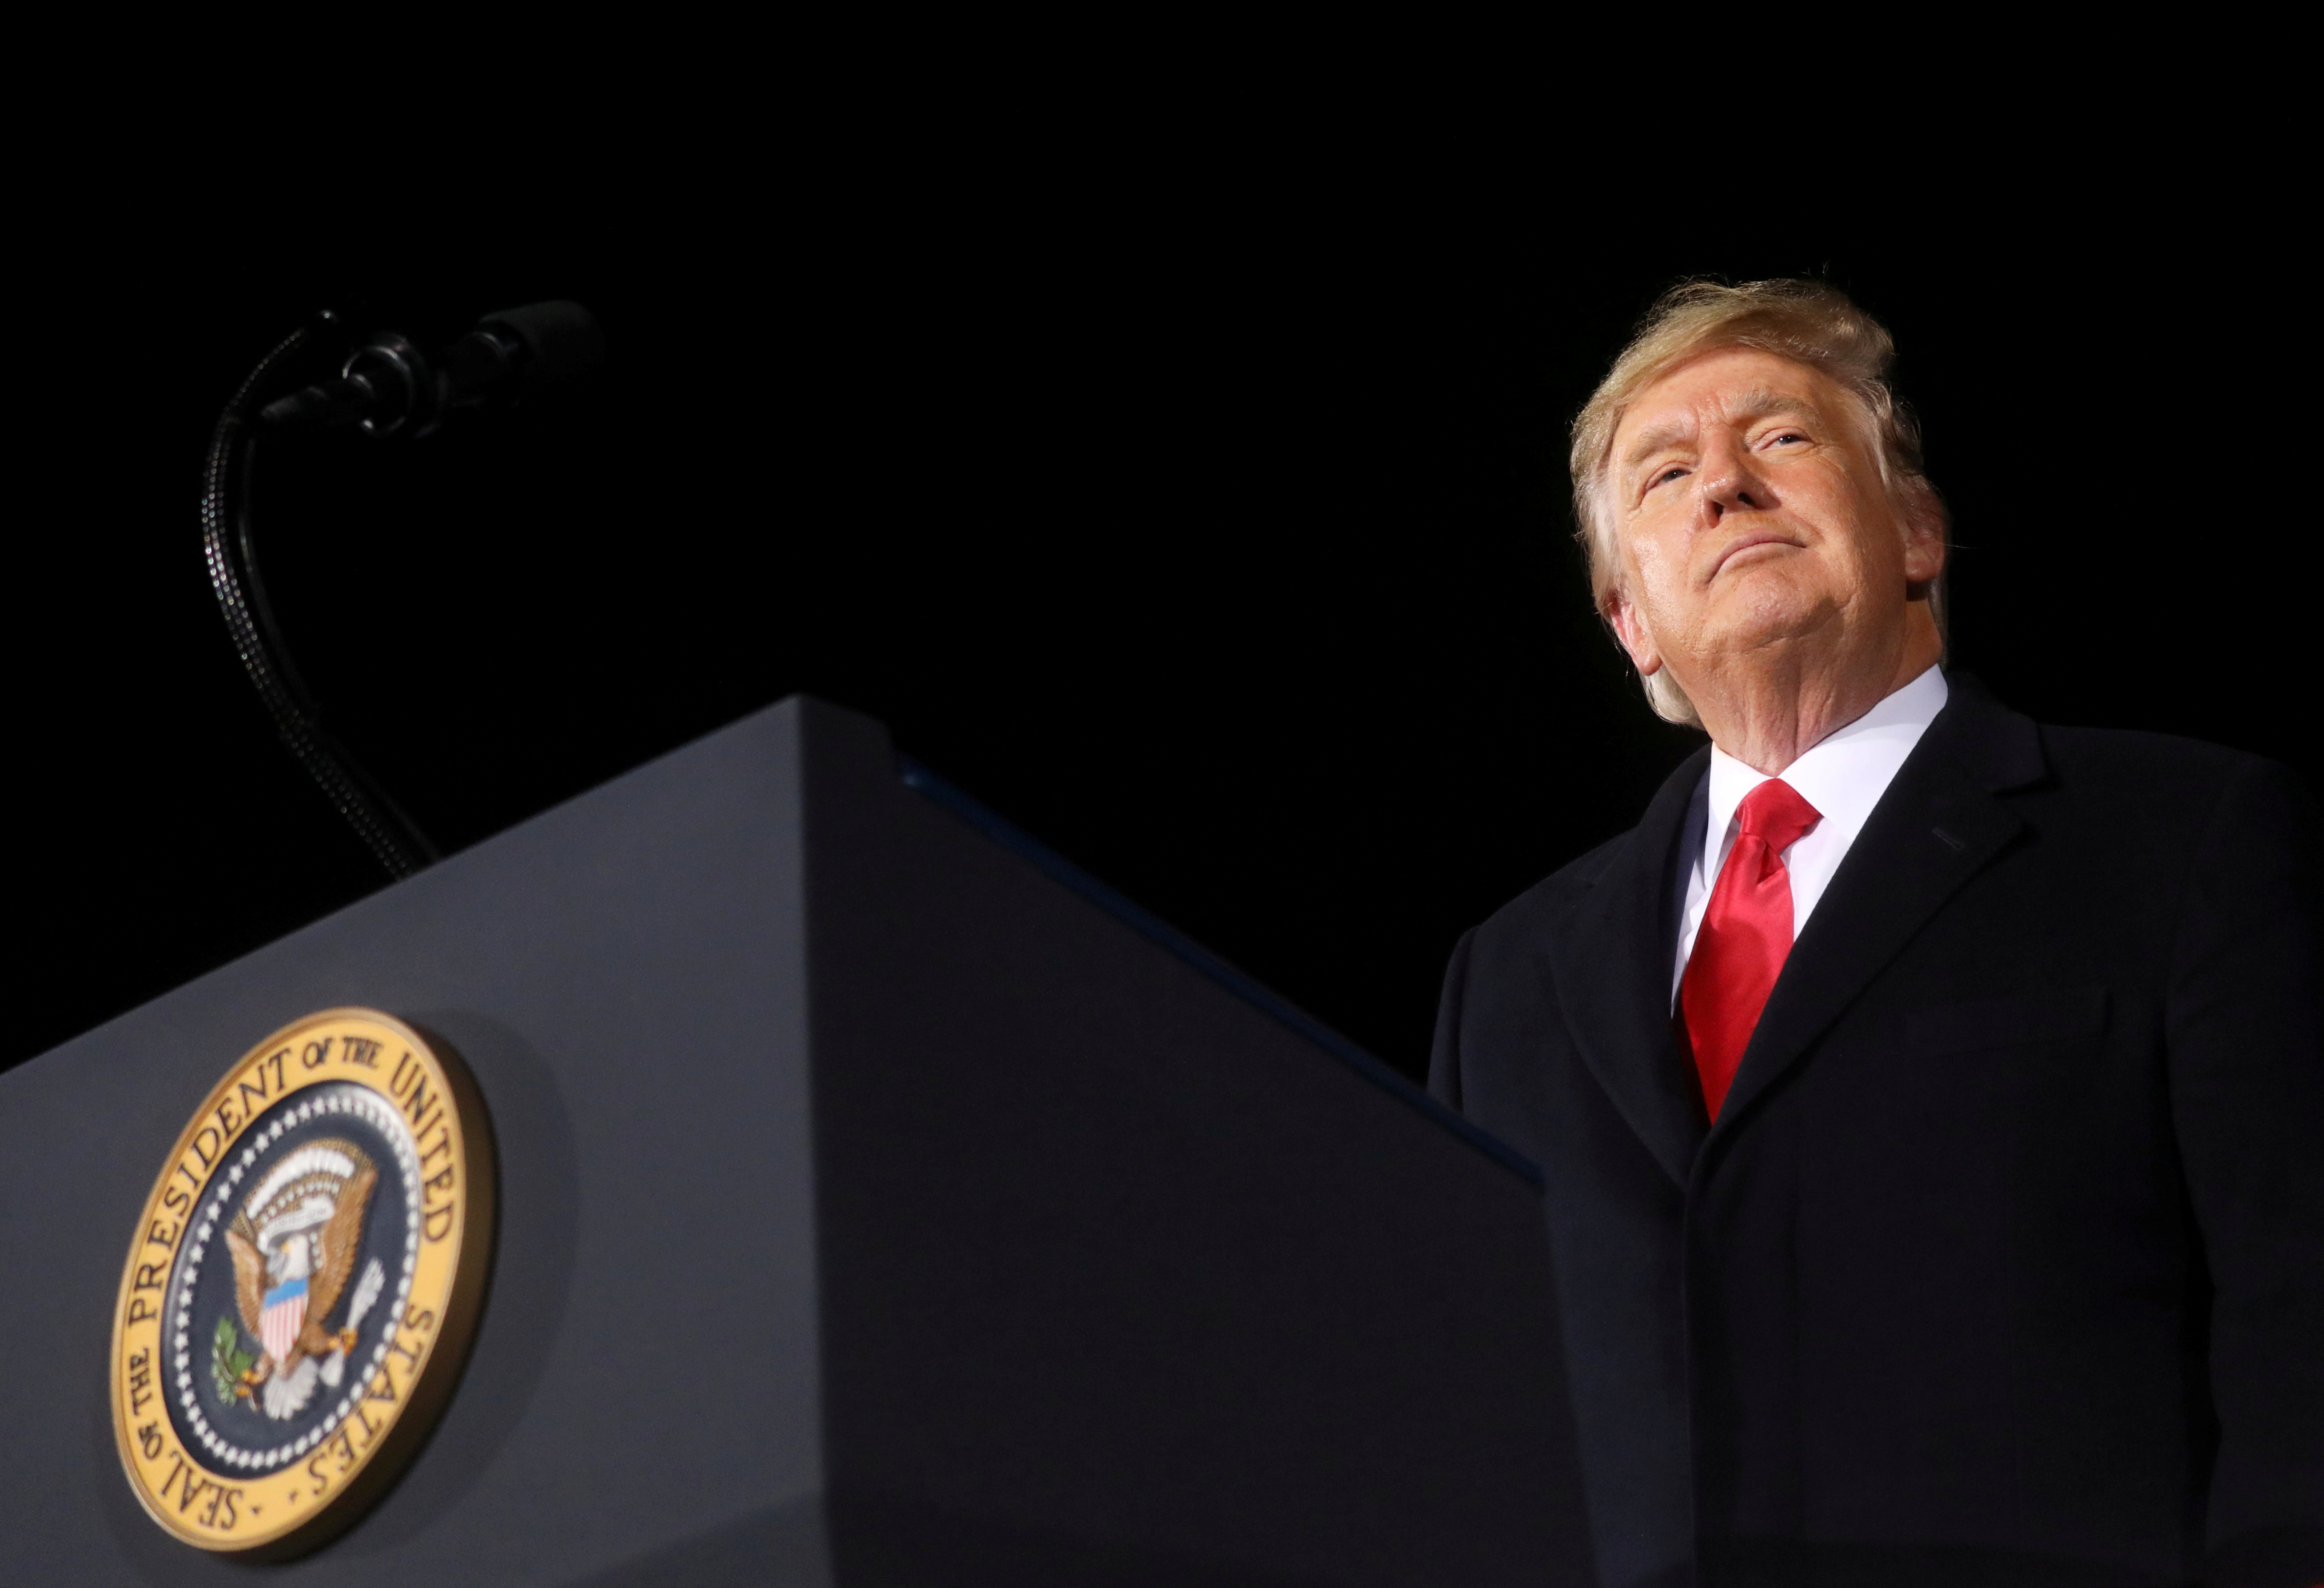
(1843, 777)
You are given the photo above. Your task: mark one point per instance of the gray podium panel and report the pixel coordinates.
(880, 1204)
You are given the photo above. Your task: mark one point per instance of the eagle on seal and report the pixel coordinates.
(295, 1242)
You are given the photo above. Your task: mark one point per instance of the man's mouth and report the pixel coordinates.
(1758, 538)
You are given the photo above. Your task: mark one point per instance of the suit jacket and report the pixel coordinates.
(2004, 1260)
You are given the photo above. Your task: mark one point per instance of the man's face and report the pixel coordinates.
(1749, 513)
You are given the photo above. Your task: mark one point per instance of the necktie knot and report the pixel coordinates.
(1774, 814)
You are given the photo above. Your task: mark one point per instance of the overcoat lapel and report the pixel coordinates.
(1611, 965)
(1937, 826)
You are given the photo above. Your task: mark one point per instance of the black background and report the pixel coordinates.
(1205, 519)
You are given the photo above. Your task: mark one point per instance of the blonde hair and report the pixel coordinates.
(1807, 322)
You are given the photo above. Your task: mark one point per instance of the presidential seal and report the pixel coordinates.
(302, 1285)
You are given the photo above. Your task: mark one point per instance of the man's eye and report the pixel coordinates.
(1666, 477)
(1789, 436)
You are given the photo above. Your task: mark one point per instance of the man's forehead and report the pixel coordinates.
(1672, 409)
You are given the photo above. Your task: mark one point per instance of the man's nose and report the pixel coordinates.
(1729, 484)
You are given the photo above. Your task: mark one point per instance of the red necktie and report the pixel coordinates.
(1745, 937)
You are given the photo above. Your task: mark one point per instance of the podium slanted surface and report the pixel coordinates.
(879, 1202)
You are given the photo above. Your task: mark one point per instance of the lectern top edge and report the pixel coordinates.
(1282, 1011)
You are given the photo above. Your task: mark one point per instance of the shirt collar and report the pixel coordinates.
(1845, 772)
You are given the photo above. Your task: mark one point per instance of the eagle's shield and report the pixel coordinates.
(279, 1319)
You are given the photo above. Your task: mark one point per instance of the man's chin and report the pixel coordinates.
(1764, 626)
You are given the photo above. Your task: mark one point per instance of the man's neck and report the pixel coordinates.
(1770, 712)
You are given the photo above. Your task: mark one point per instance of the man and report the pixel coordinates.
(1931, 1103)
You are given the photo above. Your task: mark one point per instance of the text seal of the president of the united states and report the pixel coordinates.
(303, 1284)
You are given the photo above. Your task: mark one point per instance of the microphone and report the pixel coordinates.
(391, 388)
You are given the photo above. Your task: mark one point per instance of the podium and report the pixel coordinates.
(881, 1202)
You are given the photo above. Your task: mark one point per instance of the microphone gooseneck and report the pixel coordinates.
(391, 388)
(231, 558)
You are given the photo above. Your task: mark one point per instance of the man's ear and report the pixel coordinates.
(1631, 630)
(1925, 537)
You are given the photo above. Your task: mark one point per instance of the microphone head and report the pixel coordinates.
(560, 338)
(391, 387)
